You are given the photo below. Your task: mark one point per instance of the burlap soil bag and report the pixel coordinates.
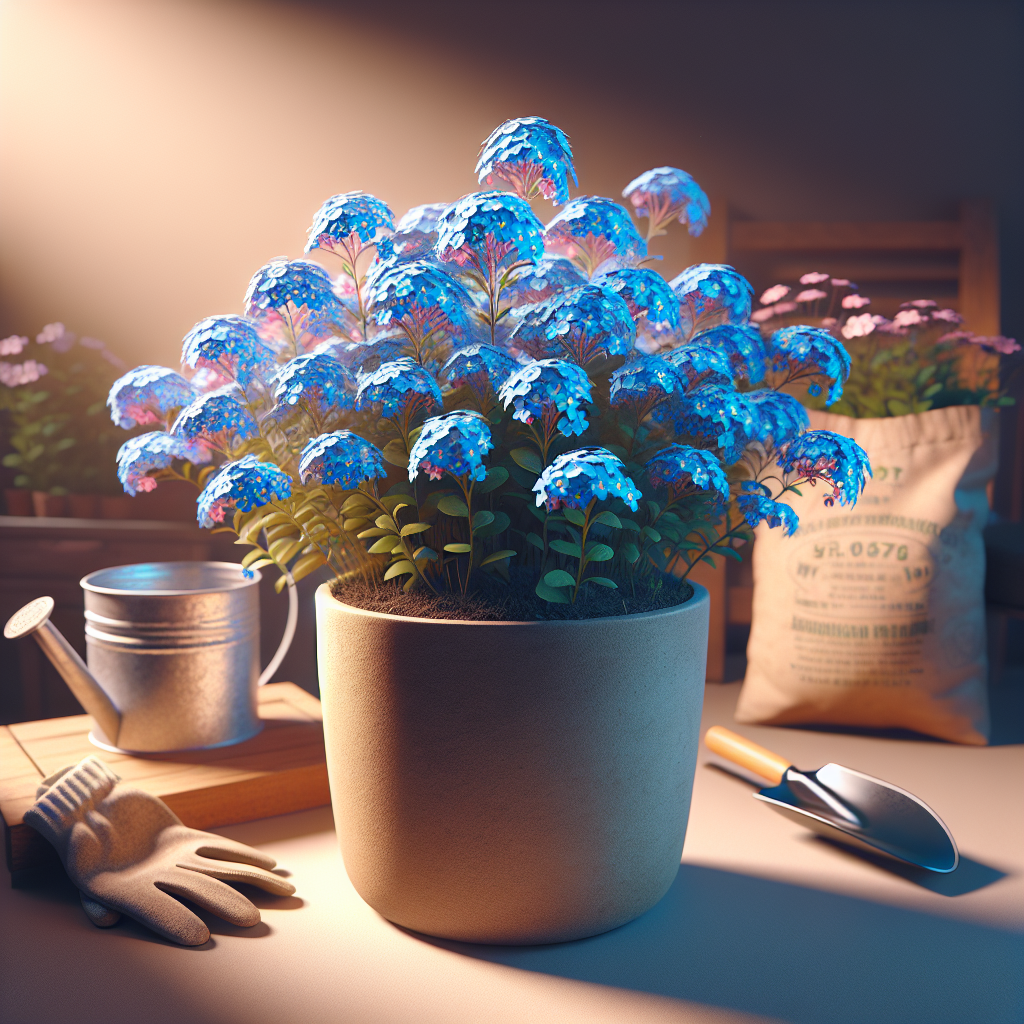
(873, 615)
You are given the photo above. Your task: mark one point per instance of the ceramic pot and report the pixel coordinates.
(46, 504)
(19, 501)
(523, 782)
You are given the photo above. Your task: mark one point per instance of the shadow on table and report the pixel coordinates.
(792, 953)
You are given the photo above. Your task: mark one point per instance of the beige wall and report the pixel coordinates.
(154, 154)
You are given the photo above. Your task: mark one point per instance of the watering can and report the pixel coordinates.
(173, 654)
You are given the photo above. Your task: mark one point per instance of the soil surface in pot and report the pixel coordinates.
(492, 601)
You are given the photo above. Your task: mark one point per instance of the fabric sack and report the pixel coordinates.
(873, 615)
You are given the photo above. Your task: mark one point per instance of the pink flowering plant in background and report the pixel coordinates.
(465, 399)
(53, 432)
(921, 359)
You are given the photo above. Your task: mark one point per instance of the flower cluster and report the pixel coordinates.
(577, 478)
(14, 375)
(532, 155)
(455, 443)
(392, 417)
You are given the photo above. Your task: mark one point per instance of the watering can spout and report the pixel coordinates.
(34, 619)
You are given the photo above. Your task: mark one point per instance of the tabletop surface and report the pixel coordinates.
(764, 922)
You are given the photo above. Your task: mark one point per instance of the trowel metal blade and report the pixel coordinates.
(892, 821)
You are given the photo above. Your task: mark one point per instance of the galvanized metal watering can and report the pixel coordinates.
(173, 654)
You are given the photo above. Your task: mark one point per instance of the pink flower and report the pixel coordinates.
(208, 379)
(828, 322)
(995, 342)
(919, 304)
(16, 374)
(814, 278)
(860, 326)
(811, 294)
(13, 345)
(773, 294)
(841, 282)
(145, 483)
(782, 308)
(51, 333)
(951, 316)
(909, 318)
(856, 301)
(760, 315)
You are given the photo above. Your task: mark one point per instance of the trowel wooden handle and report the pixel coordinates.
(748, 755)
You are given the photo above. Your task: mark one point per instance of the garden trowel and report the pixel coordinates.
(845, 805)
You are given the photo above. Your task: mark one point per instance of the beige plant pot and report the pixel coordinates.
(524, 782)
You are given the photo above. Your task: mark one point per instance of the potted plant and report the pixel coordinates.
(876, 618)
(58, 442)
(510, 443)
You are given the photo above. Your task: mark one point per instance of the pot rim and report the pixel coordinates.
(700, 594)
(87, 584)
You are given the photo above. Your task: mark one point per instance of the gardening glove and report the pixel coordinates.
(128, 853)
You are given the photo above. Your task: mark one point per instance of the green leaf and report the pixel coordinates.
(451, 505)
(482, 519)
(283, 551)
(252, 556)
(630, 552)
(532, 538)
(392, 502)
(500, 523)
(305, 565)
(628, 524)
(280, 583)
(650, 533)
(549, 594)
(351, 525)
(565, 547)
(374, 531)
(574, 515)
(727, 551)
(602, 581)
(386, 523)
(654, 507)
(353, 501)
(395, 453)
(528, 459)
(424, 553)
(495, 478)
(609, 519)
(384, 546)
(12, 459)
(599, 553)
(559, 578)
(400, 569)
(458, 549)
(408, 531)
(497, 556)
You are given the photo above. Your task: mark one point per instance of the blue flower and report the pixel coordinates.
(584, 475)
(742, 344)
(296, 296)
(550, 390)
(666, 192)
(229, 345)
(420, 298)
(454, 443)
(591, 230)
(483, 367)
(140, 455)
(216, 419)
(316, 379)
(351, 214)
(146, 395)
(700, 364)
(487, 230)
(245, 485)
(645, 383)
(646, 293)
(551, 275)
(802, 352)
(582, 322)
(720, 414)
(823, 455)
(679, 467)
(715, 294)
(416, 233)
(782, 416)
(532, 155)
(340, 458)
(756, 508)
(400, 387)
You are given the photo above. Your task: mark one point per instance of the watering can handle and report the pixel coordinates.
(745, 753)
(289, 632)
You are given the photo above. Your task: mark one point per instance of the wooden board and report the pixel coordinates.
(283, 769)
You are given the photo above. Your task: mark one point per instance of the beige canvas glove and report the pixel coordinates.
(128, 853)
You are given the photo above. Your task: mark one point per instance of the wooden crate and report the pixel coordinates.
(283, 769)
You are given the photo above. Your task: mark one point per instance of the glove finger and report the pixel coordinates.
(212, 895)
(235, 872)
(228, 849)
(100, 914)
(149, 905)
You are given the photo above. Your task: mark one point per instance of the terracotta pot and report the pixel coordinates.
(524, 782)
(19, 501)
(116, 507)
(46, 504)
(84, 506)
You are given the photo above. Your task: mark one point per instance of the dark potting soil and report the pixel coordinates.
(492, 601)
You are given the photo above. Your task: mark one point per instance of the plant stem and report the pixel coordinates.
(583, 549)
